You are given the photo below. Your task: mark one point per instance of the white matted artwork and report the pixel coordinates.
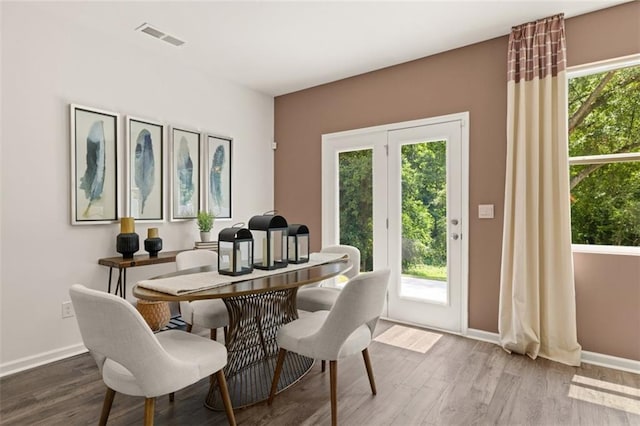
(185, 174)
(94, 166)
(217, 176)
(145, 159)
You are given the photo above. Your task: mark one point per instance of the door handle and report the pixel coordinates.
(455, 236)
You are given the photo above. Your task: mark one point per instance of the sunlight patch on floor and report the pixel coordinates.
(409, 338)
(607, 394)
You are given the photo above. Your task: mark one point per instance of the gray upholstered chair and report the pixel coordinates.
(321, 297)
(336, 334)
(210, 313)
(136, 362)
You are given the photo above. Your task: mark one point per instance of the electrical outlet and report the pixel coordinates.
(67, 310)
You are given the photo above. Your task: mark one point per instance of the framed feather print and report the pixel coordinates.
(144, 165)
(217, 176)
(185, 174)
(94, 165)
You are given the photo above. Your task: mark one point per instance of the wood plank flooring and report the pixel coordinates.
(458, 381)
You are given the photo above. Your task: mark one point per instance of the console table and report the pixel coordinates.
(137, 260)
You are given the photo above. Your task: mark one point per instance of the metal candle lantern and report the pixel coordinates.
(235, 251)
(270, 233)
(298, 244)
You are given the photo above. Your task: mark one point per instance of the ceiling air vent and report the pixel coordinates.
(172, 40)
(154, 32)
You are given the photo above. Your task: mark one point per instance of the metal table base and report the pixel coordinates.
(252, 349)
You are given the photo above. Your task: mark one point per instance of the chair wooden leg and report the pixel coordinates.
(106, 406)
(214, 334)
(323, 365)
(172, 396)
(276, 374)
(333, 373)
(189, 327)
(226, 400)
(149, 405)
(367, 364)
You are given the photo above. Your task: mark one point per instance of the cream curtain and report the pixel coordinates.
(537, 296)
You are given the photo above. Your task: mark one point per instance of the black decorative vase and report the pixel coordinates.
(127, 241)
(153, 244)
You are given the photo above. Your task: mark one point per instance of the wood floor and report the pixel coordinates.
(458, 381)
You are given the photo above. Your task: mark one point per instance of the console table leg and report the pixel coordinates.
(110, 275)
(119, 284)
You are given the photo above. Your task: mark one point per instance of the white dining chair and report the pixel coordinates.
(336, 334)
(321, 297)
(211, 313)
(134, 361)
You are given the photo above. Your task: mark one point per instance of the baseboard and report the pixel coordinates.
(29, 362)
(624, 364)
(482, 335)
(594, 358)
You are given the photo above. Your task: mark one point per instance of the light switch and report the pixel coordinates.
(485, 211)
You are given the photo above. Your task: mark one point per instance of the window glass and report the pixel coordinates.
(356, 203)
(605, 207)
(604, 150)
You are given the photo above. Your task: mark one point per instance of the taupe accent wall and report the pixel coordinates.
(472, 78)
(608, 303)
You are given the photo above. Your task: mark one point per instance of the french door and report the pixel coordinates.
(399, 193)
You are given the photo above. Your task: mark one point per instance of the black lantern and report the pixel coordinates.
(270, 233)
(235, 251)
(298, 244)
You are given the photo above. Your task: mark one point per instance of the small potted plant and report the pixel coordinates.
(205, 222)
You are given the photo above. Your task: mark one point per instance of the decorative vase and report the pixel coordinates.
(153, 243)
(205, 237)
(127, 241)
(156, 314)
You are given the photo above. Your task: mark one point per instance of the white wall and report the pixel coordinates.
(46, 66)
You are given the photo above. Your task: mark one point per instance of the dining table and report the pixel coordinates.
(258, 304)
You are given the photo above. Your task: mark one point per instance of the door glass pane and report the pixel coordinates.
(356, 203)
(424, 221)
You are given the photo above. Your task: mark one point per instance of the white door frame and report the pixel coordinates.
(331, 142)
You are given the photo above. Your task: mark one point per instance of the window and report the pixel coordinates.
(604, 151)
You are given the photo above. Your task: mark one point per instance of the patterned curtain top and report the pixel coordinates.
(537, 49)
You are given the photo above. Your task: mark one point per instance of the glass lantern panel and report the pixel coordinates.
(260, 241)
(278, 246)
(245, 257)
(226, 250)
(303, 247)
(292, 249)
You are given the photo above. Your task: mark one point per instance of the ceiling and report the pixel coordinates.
(282, 47)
